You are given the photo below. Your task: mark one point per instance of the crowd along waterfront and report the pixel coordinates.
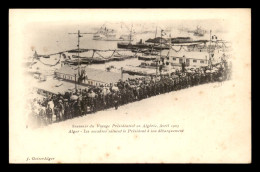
(112, 77)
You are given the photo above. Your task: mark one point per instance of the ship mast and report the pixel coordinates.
(78, 45)
(154, 45)
(131, 35)
(160, 53)
(210, 49)
(155, 32)
(161, 46)
(170, 45)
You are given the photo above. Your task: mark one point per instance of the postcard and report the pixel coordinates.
(129, 86)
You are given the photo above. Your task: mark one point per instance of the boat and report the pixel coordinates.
(198, 32)
(129, 45)
(74, 56)
(136, 50)
(150, 52)
(157, 40)
(148, 65)
(85, 60)
(81, 50)
(148, 57)
(105, 34)
(98, 36)
(181, 40)
(126, 38)
(162, 47)
(138, 45)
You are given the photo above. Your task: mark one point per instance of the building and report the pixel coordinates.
(194, 59)
(93, 77)
(53, 87)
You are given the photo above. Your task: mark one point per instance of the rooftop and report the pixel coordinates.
(103, 76)
(94, 74)
(56, 86)
(69, 70)
(187, 54)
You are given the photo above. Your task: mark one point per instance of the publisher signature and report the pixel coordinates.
(39, 158)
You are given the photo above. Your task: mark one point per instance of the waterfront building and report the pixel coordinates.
(90, 76)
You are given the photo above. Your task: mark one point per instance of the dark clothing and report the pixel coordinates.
(49, 115)
(129, 91)
(116, 100)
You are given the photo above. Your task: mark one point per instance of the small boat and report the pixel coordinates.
(88, 60)
(81, 50)
(117, 55)
(45, 56)
(129, 45)
(149, 57)
(136, 50)
(151, 52)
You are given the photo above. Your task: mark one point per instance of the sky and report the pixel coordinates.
(47, 29)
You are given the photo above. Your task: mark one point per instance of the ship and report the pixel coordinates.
(181, 40)
(129, 45)
(198, 32)
(149, 54)
(105, 34)
(126, 38)
(85, 60)
(157, 45)
(148, 57)
(126, 45)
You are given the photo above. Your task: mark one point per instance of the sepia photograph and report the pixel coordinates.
(129, 86)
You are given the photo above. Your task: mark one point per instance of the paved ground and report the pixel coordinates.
(214, 129)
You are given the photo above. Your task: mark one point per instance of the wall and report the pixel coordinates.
(72, 78)
(176, 61)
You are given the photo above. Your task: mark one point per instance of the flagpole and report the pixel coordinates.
(161, 48)
(78, 53)
(156, 59)
(79, 35)
(131, 35)
(210, 49)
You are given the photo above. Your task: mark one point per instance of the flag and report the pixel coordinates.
(214, 37)
(35, 54)
(163, 33)
(80, 36)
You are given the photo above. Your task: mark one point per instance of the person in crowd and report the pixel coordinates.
(116, 98)
(115, 94)
(66, 109)
(49, 114)
(60, 108)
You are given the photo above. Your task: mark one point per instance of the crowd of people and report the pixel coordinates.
(61, 107)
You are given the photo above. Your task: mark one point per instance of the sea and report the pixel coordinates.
(54, 41)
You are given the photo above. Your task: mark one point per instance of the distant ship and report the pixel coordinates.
(126, 38)
(155, 43)
(129, 45)
(198, 32)
(105, 34)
